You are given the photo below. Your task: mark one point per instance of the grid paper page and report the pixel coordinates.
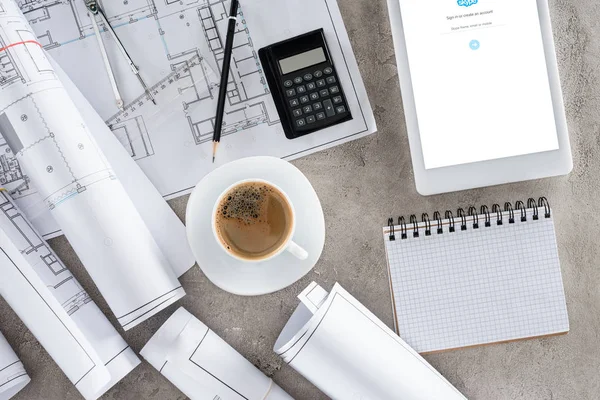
(478, 286)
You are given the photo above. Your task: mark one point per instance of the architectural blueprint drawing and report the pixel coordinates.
(203, 366)
(54, 145)
(13, 376)
(342, 348)
(178, 46)
(49, 278)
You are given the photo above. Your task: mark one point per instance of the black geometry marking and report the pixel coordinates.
(24, 117)
(49, 169)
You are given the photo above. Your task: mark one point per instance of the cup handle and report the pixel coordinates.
(297, 251)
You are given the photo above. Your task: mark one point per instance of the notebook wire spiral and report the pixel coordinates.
(471, 217)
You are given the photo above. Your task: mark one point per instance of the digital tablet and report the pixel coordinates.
(481, 92)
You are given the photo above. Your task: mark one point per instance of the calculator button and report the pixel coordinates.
(301, 89)
(288, 83)
(320, 115)
(314, 96)
(324, 93)
(318, 74)
(321, 83)
(310, 119)
(300, 122)
(311, 86)
(308, 77)
(317, 106)
(297, 112)
(294, 103)
(303, 99)
(331, 79)
(298, 80)
(340, 109)
(329, 108)
(307, 109)
(337, 99)
(334, 89)
(290, 92)
(328, 70)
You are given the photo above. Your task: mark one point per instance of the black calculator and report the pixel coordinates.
(304, 84)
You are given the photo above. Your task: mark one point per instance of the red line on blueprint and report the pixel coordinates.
(19, 43)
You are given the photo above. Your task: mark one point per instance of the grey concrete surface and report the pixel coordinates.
(362, 183)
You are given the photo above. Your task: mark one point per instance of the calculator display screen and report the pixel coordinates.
(302, 60)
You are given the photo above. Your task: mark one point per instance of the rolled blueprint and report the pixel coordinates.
(166, 228)
(13, 376)
(348, 353)
(56, 149)
(54, 306)
(203, 366)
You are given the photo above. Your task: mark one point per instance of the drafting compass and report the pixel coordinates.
(95, 11)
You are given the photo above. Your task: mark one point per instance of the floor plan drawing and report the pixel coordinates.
(10, 170)
(247, 89)
(8, 70)
(18, 60)
(133, 135)
(178, 46)
(196, 84)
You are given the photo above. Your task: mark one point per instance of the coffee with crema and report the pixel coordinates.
(253, 220)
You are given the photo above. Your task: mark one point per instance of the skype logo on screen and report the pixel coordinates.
(467, 3)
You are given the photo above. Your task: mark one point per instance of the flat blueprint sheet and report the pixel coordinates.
(178, 46)
(342, 348)
(13, 376)
(203, 366)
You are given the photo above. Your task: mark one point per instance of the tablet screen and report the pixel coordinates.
(479, 78)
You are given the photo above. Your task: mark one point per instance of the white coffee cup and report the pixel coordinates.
(288, 245)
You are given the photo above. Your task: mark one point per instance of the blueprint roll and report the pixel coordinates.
(27, 295)
(54, 306)
(347, 352)
(203, 366)
(58, 152)
(13, 376)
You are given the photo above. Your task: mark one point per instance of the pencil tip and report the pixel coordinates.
(213, 159)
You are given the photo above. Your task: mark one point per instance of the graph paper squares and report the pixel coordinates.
(477, 286)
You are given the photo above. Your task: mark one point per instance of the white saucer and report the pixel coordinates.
(251, 279)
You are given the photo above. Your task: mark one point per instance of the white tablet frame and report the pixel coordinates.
(492, 172)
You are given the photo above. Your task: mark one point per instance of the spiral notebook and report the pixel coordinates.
(478, 277)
